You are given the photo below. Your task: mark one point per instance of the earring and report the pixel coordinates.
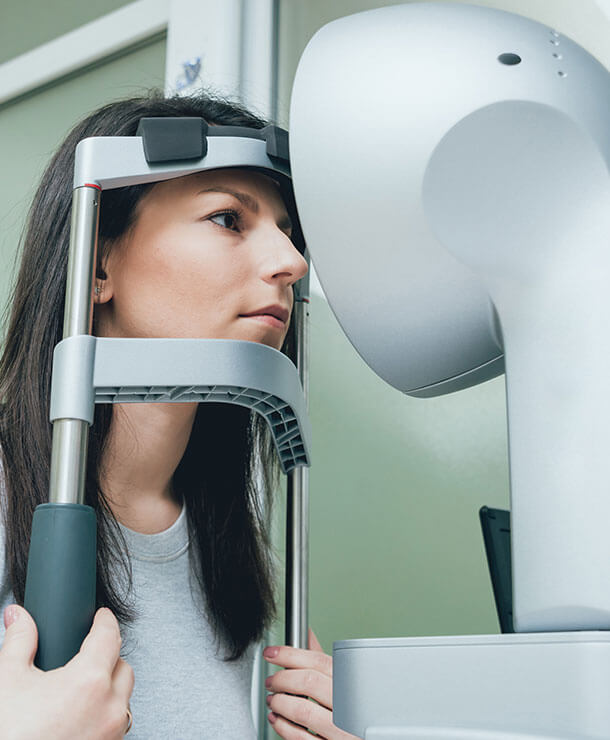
(97, 290)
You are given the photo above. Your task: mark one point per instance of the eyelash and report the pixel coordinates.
(237, 215)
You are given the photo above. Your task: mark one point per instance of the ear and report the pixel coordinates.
(102, 289)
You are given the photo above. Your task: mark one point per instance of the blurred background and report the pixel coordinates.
(396, 482)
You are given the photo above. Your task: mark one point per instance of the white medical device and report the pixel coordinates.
(450, 166)
(60, 589)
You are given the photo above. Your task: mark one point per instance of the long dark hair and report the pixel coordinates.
(230, 549)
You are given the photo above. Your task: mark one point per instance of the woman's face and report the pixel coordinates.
(205, 250)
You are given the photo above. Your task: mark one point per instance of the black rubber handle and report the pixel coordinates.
(60, 583)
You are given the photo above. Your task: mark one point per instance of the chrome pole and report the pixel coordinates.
(70, 436)
(297, 508)
(297, 534)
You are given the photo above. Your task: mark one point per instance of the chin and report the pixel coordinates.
(270, 338)
(270, 342)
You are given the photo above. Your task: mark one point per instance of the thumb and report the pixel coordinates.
(21, 638)
(314, 644)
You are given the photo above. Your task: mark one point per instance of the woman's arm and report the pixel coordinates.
(309, 674)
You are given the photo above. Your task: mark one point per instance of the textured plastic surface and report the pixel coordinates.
(170, 370)
(61, 575)
(490, 687)
(498, 176)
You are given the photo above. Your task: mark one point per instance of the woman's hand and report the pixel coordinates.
(309, 674)
(86, 699)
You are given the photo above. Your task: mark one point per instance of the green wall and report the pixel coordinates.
(28, 23)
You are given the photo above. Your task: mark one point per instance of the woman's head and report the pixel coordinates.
(237, 265)
(201, 252)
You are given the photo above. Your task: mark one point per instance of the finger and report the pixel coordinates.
(123, 679)
(103, 643)
(301, 719)
(302, 712)
(290, 657)
(301, 682)
(287, 729)
(313, 642)
(21, 638)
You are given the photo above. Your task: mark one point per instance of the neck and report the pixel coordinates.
(144, 446)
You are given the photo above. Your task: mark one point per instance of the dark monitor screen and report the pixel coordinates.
(495, 524)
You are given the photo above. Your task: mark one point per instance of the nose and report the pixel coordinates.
(282, 261)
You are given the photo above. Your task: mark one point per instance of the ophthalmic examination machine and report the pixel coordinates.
(490, 134)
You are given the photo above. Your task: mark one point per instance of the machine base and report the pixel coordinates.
(486, 687)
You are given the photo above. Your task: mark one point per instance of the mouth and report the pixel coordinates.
(267, 319)
(275, 315)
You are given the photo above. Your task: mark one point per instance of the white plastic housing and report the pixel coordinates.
(456, 208)
(476, 687)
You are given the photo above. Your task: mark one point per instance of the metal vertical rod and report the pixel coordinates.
(264, 670)
(297, 511)
(69, 455)
(297, 529)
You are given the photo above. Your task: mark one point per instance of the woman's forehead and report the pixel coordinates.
(237, 178)
(252, 185)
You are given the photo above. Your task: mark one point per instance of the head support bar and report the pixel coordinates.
(170, 147)
(173, 139)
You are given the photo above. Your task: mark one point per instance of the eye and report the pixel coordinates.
(226, 219)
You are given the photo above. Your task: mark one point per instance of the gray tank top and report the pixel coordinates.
(183, 689)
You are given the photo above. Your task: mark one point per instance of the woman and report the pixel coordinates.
(183, 554)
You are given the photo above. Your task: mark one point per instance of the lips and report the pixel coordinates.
(279, 312)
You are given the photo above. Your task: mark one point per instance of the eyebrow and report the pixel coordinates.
(248, 202)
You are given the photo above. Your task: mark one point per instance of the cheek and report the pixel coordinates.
(191, 255)
(179, 286)
(211, 278)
